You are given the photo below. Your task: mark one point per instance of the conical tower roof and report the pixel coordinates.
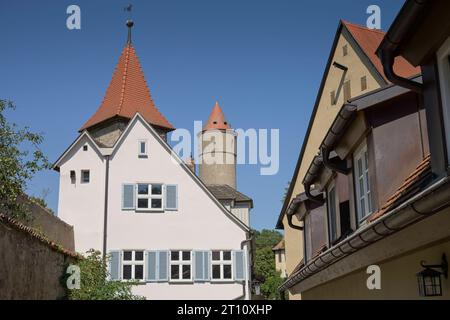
(128, 94)
(217, 120)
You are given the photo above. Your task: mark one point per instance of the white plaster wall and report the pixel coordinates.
(199, 224)
(81, 204)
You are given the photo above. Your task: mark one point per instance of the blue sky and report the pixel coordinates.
(261, 59)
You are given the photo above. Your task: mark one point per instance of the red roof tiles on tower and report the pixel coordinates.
(217, 120)
(128, 94)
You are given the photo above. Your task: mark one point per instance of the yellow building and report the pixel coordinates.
(352, 70)
(372, 201)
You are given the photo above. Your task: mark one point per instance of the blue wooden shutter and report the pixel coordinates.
(201, 265)
(151, 266)
(163, 265)
(115, 258)
(128, 192)
(239, 266)
(171, 197)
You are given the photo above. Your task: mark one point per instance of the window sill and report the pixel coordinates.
(142, 156)
(181, 281)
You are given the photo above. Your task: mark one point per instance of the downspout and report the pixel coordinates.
(400, 30)
(338, 128)
(387, 57)
(291, 224)
(317, 199)
(247, 284)
(105, 217)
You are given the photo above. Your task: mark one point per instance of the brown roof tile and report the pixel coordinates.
(410, 186)
(128, 94)
(369, 40)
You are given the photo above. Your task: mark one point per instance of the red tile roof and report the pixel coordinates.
(409, 187)
(128, 94)
(217, 120)
(369, 40)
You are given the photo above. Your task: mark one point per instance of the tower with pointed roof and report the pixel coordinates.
(126, 193)
(127, 94)
(217, 156)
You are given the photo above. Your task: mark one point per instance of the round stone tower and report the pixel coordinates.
(217, 156)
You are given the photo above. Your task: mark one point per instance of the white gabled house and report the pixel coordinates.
(128, 195)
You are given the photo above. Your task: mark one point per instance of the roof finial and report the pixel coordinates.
(130, 22)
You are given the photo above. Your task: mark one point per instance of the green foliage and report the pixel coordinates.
(17, 166)
(267, 238)
(270, 287)
(265, 263)
(41, 200)
(95, 284)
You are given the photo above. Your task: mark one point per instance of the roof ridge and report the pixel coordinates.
(124, 78)
(363, 27)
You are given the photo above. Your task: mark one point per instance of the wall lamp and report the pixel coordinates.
(430, 283)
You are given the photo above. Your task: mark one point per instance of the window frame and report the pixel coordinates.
(180, 263)
(83, 171)
(133, 262)
(140, 153)
(345, 50)
(221, 262)
(362, 153)
(443, 63)
(330, 224)
(149, 196)
(364, 86)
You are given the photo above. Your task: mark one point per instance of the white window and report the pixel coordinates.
(443, 57)
(142, 148)
(221, 266)
(85, 176)
(133, 265)
(362, 182)
(333, 211)
(149, 197)
(181, 265)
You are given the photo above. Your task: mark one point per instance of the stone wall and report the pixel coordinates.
(31, 267)
(50, 225)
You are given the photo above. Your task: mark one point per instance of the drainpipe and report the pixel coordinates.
(105, 217)
(387, 57)
(246, 287)
(338, 128)
(401, 28)
(291, 224)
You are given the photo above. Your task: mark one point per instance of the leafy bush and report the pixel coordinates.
(95, 284)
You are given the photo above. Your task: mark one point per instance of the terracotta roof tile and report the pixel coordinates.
(410, 186)
(369, 40)
(217, 120)
(128, 94)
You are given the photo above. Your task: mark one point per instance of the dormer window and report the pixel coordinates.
(142, 148)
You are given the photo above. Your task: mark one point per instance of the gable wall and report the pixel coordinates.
(86, 216)
(325, 115)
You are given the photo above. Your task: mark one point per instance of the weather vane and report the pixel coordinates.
(130, 22)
